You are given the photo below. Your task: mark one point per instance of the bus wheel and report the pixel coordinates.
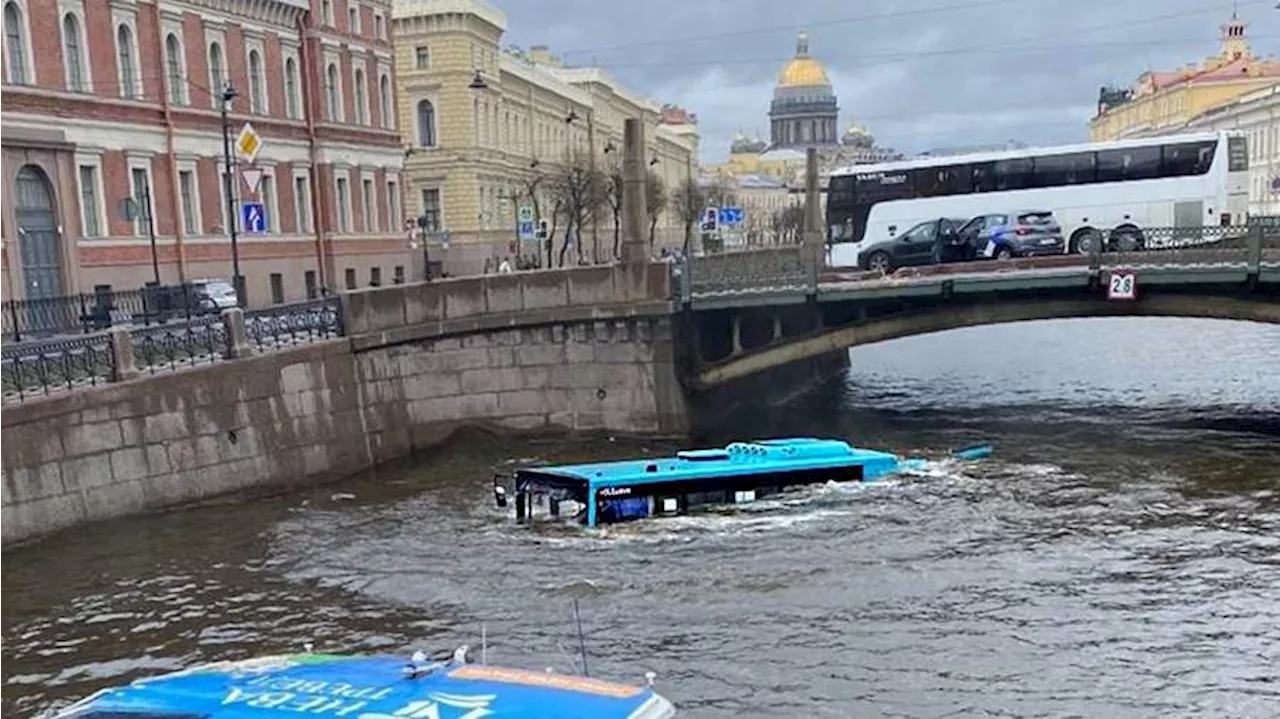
(880, 262)
(1083, 241)
(1127, 239)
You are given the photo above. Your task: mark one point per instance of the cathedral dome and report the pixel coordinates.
(802, 70)
(858, 136)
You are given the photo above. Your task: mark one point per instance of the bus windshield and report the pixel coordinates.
(1130, 185)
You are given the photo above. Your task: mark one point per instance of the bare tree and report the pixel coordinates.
(787, 224)
(720, 194)
(688, 199)
(613, 200)
(579, 192)
(655, 202)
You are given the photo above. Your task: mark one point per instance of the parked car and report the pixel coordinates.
(927, 243)
(213, 294)
(1023, 233)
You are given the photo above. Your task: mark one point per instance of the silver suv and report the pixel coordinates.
(1020, 233)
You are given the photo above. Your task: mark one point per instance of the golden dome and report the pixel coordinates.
(802, 70)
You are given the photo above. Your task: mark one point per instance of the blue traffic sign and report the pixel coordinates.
(731, 215)
(526, 230)
(253, 218)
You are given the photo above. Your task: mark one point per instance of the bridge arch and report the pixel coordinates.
(1263, 308)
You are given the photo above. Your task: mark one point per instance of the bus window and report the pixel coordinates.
(942, 181)
(841, 191)
(1014, 174)
(1237, 154)
(1138, 163)
(1188, 158)
(984, 177)
(1058, 170)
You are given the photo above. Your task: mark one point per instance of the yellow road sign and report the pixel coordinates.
(248, 143)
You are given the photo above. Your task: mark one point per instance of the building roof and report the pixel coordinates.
(479, 8)
(802, 70)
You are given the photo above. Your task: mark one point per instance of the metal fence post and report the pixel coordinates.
(1253, 261)
(237, 339)
(122, 364)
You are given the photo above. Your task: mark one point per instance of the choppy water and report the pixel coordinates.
(1119, 557)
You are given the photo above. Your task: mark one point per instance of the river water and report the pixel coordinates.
(1119, 556)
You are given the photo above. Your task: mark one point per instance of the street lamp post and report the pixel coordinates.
(229, 94)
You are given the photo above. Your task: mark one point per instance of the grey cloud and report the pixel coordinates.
(919, 73)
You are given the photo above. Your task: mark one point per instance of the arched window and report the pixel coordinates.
(128, 68)
(331, 93)
(256, 100)
(291, 88)
(384, 101)
(72, 54)
(15, 41)
(173, 68)
(362, 106)
(426, 124)
(217, 79)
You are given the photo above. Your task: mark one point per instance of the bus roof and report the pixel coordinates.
(738, 459)
(944, 160)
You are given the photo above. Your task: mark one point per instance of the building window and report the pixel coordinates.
(277, 288)
(379, 27)
(72, 53)
(89, 205)
(187, 188)
(393, 203)
(422, 57)
(267, 193)
(141, 195)
(366, 189)
(257, 101)
(426, 124)
(375, 276)
(217, 81)
(397, 275)
(128, 69)
(362, 108)
(353, 19)
(351, 278)
(173, 65)
(302, 203)
(326, 12)
(309, 282)
(15, 41)
(291, 88)
(331, 93)
(384, 101)
(344, 206)
(431, 209)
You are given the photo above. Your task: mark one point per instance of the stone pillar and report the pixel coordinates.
(635, 246)
(814, 235)
(237, 339)
(122, 354)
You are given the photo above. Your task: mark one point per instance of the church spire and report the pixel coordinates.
(802, 44)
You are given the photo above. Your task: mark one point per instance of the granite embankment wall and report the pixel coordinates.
(580, 350)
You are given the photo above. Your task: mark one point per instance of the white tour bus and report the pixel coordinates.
(1106, 191)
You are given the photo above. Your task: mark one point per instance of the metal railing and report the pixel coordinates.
(44, 317)
(173, 346)
(293, 324)
(39, 368)
(788, 268)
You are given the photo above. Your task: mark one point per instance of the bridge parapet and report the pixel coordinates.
(380, 309)
(779, 268)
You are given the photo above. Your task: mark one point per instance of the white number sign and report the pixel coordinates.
(1123, 286)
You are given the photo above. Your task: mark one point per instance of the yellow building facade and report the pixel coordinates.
(1160, 101)
(483, 127)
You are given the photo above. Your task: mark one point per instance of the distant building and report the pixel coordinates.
(804, 113)
(1162, 100)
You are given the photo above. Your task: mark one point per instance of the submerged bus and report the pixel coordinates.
(1107, 192)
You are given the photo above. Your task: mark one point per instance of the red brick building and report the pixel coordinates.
(104, 100)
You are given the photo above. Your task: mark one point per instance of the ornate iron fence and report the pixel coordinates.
(293, 324)
(40, 368)
(773, 269)
(178, 345)
(44, 317)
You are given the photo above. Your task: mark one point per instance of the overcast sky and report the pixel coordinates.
(920, 74)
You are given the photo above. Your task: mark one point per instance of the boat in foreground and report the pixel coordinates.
(608, 492)
(369, 687)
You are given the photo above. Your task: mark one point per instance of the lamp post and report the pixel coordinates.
(229, 94)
